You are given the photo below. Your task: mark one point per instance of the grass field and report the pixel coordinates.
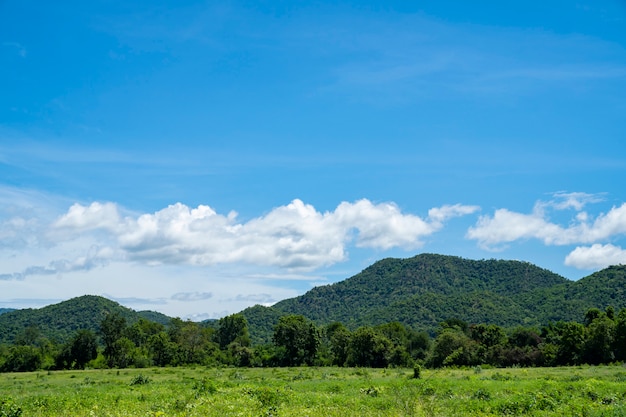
(345, 392)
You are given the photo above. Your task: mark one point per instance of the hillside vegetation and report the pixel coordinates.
(419, 292)
(59, 322)
(427, 289)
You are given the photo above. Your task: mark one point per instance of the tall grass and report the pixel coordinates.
(574, 391)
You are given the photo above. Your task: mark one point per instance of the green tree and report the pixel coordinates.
(84, 348)
(232, 329)
(122, 353)
(298, 339)
(112, 329)
(369, 348)
(338, 337)
(598, 347)
(591, 315)
(401, 339)
(619, 342)
(22, 359)
(162, 349)
(77, 352)
(452, 347)
(193, 342)
(141, 331)
(419, 344)
(571, 341)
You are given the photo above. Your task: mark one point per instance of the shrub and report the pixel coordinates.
(140, 380)
(417, 372)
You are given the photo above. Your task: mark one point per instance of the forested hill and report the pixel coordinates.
(61, 321)
(6, 310)
(427, 289)
(420, 292)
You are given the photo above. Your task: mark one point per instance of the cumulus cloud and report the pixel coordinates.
(505, 226)
(95, 216)
(596, 256)
(295, 236)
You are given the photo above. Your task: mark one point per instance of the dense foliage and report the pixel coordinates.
(424, 290)
(429, 310)
(599, 339)
(59, 322)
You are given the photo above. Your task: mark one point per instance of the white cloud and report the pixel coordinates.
(506, 226)
(295, 236)
(443, 213)
(577, 200)
(92, 217)
(596, 256)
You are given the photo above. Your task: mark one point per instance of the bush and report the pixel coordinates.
(417, 372)
(140, 380)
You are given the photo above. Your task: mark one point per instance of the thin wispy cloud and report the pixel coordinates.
(16, 47)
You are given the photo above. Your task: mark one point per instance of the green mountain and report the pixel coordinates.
(6, 310)
(420, 292)
(59, 322)
(427, 289)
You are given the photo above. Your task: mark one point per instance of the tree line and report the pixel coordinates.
(297, 341)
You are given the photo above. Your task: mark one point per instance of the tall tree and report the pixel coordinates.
(619, 341)
(598, 346)
(571, 341)
(369, 348)
(298, 338)
(77, 352)
(112, 329)
(232, 329)
(338, 337)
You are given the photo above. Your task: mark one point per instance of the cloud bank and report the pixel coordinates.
(295, 237)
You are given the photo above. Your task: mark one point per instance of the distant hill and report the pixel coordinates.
(420, 292)
(59, 322)
(6, 310)
(424, 290)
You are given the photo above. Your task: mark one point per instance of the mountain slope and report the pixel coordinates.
(392, 281)
(59, 322)
(424, 290)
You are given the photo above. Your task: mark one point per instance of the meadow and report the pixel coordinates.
(564, 391)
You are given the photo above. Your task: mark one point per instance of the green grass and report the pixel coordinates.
(345, 392)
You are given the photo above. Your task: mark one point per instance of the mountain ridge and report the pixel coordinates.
(420, 292)
(427, 289)
(60, 321)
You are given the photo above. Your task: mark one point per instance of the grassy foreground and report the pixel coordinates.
(574, 391)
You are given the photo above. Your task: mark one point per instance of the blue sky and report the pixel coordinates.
(196, 158)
